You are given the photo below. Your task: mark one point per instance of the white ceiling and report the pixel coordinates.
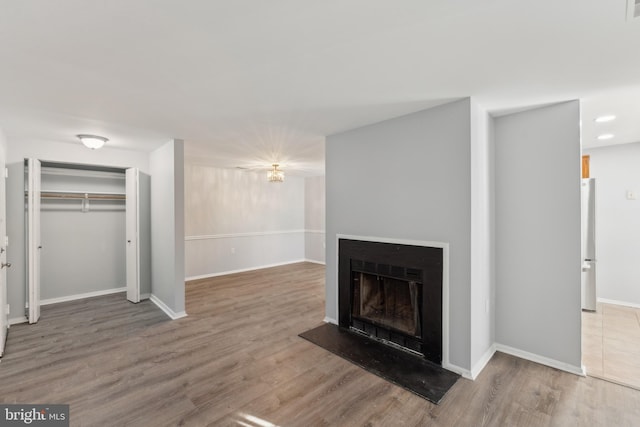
(252, 82)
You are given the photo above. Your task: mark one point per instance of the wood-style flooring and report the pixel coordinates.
(237, 360)
(611, 343)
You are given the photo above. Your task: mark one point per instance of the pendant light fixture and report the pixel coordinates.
(92, 141)
(275, 174)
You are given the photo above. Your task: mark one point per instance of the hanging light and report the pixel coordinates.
(275, 174)
(92, 141)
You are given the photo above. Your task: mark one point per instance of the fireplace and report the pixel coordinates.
(392, 293)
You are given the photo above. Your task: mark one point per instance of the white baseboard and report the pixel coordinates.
(18, 320)
(313, 261)
(465, 373)
(164, 307)
(144, 296)
(482, 362)
(82, 296)
(242, 270)
(577, 370)
(616, 302)
(330, 320)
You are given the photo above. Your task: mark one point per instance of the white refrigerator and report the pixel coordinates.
(589, 244)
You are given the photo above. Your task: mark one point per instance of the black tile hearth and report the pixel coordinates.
(413, 373)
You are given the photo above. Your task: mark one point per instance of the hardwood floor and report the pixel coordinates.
(237, 360)
(611, 343)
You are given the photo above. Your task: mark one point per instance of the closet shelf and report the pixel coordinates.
(80, 196)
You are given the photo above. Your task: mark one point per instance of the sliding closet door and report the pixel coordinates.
(33, 239)
(138, 190)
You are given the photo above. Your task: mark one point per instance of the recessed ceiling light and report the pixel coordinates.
(604, 119)
(605, 136)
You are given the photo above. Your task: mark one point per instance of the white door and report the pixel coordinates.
(4, 315)
(133, 256)
(33, 239)
(138, 207)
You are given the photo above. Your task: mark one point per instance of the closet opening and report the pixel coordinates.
(88, 233)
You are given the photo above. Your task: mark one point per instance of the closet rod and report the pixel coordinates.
(81, 196)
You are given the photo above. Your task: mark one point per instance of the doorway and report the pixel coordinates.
(611, 343)
(88, 230)
(611, 333)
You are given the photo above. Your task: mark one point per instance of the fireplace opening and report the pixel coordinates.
(387, 301)
(392, 293)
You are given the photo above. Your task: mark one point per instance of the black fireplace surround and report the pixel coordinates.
(392, 293)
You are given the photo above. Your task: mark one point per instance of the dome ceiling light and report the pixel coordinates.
(92, 141)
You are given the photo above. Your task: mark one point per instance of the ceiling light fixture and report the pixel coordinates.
(605, 136)
(275, 174)
(604, 119)
(92, 141)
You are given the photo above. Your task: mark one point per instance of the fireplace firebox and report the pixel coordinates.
(393, 293)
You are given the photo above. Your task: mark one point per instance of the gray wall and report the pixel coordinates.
(407, 178)
(144, 234)
(616, 171)
(237, 220)
(314, 218)
(537, 219)
(167, 225)
(81, 252)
